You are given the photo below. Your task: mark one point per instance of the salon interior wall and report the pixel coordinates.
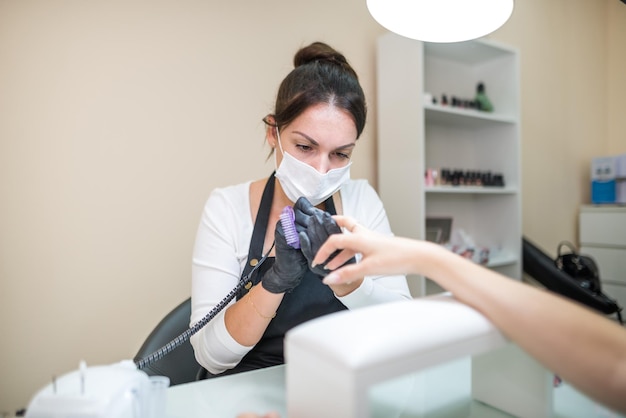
(117, 118)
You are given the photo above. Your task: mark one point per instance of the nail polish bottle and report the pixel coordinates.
(428, 180)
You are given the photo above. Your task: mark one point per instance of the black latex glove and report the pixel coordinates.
(289, 266)
(314, 227)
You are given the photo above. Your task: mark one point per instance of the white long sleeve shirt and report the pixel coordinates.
(221, 251)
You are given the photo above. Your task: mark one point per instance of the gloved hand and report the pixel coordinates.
(289, 266)
(314, 226)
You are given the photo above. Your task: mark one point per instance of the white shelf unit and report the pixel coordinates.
(414, 135)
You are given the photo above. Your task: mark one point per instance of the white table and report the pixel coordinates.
(443, 391)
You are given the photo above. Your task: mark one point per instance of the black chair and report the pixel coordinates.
(541, 267)
(179, 365)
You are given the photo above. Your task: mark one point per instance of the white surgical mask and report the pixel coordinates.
(300, 179)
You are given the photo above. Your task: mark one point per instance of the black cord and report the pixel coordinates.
(176, 342)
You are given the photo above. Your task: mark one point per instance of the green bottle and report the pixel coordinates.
(482, 101)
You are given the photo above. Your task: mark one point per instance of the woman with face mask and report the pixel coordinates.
(319, 114)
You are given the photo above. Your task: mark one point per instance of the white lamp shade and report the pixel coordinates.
(441, 20)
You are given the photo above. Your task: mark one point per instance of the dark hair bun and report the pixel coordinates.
(321, 52)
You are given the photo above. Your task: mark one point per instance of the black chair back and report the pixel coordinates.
(179, 365)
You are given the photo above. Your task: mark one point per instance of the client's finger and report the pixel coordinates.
(346, 222)
(345, 274)
(332, 244)
(339, 260)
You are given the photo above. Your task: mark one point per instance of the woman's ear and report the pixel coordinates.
(270, 130)
(270, 135)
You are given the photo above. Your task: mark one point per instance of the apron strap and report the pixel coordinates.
(255, 252)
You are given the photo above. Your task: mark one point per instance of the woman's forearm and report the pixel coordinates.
(582, 347)
(247, 320)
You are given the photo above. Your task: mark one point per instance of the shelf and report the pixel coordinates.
(502, 259)
(470, 52)
(415, 134)
(446, 115)
(470, 190)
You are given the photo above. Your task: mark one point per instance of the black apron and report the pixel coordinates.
(310, 299)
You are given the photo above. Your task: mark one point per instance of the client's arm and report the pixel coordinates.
(586, 349)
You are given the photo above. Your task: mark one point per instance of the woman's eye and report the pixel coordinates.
(342, 156)
(302, 147)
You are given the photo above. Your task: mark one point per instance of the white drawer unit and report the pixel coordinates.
(603, 236)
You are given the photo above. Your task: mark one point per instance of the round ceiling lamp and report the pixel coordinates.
(441, 20)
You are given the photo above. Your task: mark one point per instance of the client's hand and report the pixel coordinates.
(381, 254)
(289, 266)
(314, 227)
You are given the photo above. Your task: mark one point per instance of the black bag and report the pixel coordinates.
(581, 268)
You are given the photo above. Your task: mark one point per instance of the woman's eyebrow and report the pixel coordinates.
(305, 136)
(314, 142)
(347, 146)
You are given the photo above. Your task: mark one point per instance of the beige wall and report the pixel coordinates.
(118, 117)
(616, 68)
(566, 48)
